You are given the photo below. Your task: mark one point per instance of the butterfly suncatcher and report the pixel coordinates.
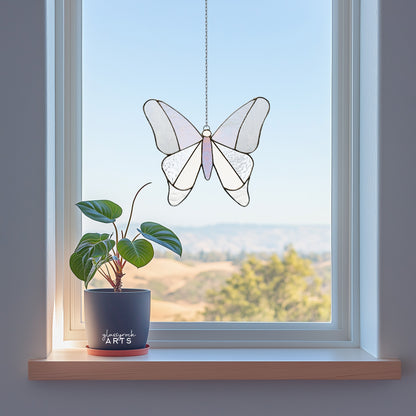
(227, 150)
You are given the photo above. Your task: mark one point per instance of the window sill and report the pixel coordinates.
(218, 364)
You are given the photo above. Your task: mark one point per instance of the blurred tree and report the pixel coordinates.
(283, 289)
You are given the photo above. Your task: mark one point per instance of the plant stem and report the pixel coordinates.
(119, 263)
(108, 278)
(114, 270)
(136, 236)
(117, 287)
(116, 232)
(132, 206)
(108, 271)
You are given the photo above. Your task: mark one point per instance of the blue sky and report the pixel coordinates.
(135, 50)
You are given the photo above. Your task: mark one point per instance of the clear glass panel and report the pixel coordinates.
(271, 260)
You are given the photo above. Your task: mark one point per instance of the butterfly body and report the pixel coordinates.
(207, 161)
(227, 150)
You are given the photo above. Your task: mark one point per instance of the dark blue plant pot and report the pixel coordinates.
(117, 320)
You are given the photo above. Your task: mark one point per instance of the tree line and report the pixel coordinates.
(276, 289)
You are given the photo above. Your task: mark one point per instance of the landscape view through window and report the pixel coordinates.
(269, 261)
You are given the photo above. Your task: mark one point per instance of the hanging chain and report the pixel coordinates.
(206, 66)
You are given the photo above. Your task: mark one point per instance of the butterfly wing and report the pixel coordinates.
(233, 169)
(178, 138)
(241, 130)
(173, 132)
(232, 141)
(181, 170)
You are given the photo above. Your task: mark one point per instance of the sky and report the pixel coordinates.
(134, 50)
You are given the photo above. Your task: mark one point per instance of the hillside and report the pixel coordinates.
(211, 254)
(179, 288)
(249, 238)
(235, 238)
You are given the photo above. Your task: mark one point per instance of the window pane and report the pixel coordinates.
(269, 261)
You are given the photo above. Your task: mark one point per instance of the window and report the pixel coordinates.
(327, 112)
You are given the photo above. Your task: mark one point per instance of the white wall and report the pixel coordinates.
(23, 246)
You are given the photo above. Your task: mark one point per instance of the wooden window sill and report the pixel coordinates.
(218, 364)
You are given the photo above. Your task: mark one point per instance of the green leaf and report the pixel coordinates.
(138, 252)
(161, 235)
(84, 268)
(100, 210)
(90, 254)
(97, 263)
(97, 244)
(79, 266)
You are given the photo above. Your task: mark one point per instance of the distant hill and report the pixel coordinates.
(235, 238)
(249, 238)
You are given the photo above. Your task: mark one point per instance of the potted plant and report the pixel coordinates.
(117, 320)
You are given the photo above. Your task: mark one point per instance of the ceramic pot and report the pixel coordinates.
(117, 320)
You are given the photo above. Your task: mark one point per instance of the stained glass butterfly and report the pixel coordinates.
(227, 150)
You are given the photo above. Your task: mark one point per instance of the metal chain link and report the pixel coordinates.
(206, 65)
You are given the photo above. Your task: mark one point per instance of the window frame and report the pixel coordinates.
(343, 331)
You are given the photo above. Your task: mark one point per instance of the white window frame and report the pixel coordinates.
(343, 331)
